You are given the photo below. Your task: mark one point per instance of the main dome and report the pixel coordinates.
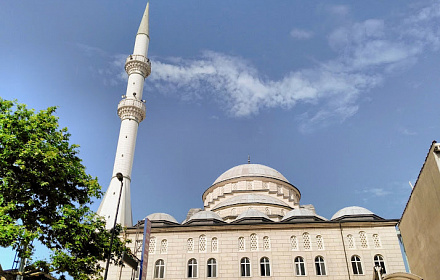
(250, 170)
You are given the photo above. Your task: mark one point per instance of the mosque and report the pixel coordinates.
(252, 224)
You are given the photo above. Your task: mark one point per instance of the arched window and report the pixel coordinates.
(363, 237)
(164, 246)
(159, 269)
(245, 267)
(320, 265)
(192, 268)
(152, 248)
(356, 265)
(378, 261)
(211, 268)
(241, 244)
(190, 245)
(264, 266)
(293, 242)
(254, 242)
(350, 241)
(214, 244)
(202, 243)
(376, 241)
(267, 211)
(300, 267)
(266, 243)
(320, 242)
(306, 240)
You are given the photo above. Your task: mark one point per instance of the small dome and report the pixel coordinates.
(352, 211)
(162, 217)
(205, 215)
(301, 212)
(250, 170)
(251, 199)
(252, 213)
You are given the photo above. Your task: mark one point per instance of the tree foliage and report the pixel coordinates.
(45, 195)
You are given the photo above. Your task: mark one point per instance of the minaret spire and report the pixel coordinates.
(132, 111)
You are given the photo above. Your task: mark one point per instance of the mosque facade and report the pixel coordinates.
(252, 225)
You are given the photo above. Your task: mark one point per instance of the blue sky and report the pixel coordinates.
(340, 97)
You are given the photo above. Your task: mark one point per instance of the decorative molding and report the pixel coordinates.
(138, 64)
(132, 109)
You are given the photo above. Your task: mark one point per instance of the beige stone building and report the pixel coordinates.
(420, 222)
(253, 226)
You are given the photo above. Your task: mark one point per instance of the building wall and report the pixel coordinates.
(281, 254)
(420, 222)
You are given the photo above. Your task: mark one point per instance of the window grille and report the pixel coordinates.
(267, 211)
(192, 268)
(190, 245)
(293, 242)
(249, 186)
(245, 267)
(320, 266)
(378, 261)
(279, 190)
(254, 242)
(266, 243)
(159, 269)
(350, 241)
(306, 240)
(214, 244)
(300, 267)
(320, 242)
(264, 266)
(234, 187)
(163, 246)
(221, 191)
(376, 241)
(363, 237)
(202, 243)
(211, 270)
(356, 265)
(152, 248)
(241, 244)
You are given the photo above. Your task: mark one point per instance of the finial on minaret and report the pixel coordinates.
(249, 159)
(143, 27)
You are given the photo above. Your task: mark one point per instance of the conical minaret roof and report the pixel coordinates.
(143, 27)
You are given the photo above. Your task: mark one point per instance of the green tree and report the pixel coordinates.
(45, 195)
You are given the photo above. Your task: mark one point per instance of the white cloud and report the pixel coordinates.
(340, 10)
(301, 34)
(366, 53)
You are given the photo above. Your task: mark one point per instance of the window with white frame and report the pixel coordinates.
(363, 238)
(293, 243)
(300, 266)
(245, 267)
(190, 245)
(306, 240)
(159, 269)
(214, 244)
(164, 246)
(266, 243)
(356, 265)
(211, 268)
(192, 268)
(378, 261)
(376, 241)
(254, 242)
(264, 266)
(202, 243)
(350, 241)
(152, 247)
(241, 244)
(320, 242)
(320, 266)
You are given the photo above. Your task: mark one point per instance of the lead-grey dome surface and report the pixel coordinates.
(205, 215)
(251, 199)
(162, 217)
(301, 212)
(250, 170)
(252, 213)
(352, 211)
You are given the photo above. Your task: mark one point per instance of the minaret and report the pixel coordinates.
(131, 110)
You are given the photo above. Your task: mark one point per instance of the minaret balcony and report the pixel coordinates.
(138, 64)
(132, 109)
